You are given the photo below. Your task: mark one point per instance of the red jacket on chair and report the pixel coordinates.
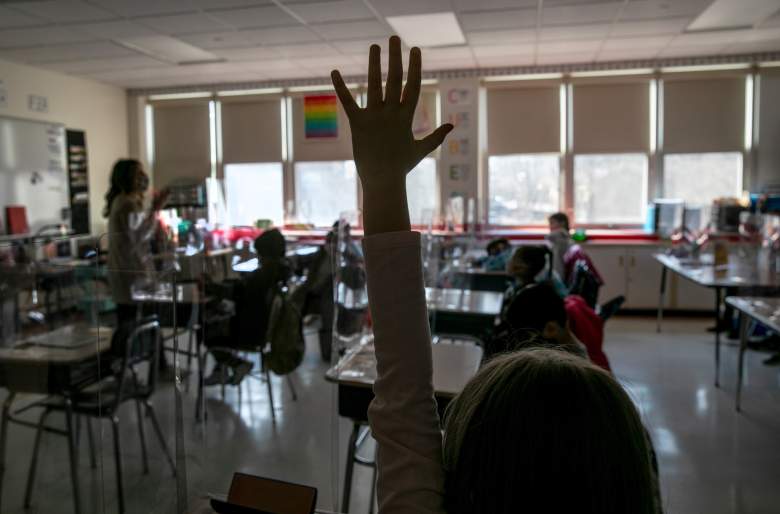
(588, 327)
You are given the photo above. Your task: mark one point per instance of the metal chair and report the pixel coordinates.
(137, 344)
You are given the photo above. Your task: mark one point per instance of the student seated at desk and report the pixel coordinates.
(252, 296)
(536, 431)
(498, 253)
(529, 265)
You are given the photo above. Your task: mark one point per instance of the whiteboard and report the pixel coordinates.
(33, 170)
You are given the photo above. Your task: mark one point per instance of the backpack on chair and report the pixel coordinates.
(285, 334)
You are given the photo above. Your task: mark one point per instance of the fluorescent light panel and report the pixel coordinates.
(733, 14)
(246, 92)
(428, 30)
(180, 96)
(528, 76)
(612, 73)
(169, 49)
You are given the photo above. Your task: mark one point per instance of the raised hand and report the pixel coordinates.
(382, 141)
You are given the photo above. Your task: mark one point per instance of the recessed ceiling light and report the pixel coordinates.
(169, 49)
(734, 14)
(435, 29)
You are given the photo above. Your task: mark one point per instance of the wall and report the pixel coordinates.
(98, 109)
(768, 151)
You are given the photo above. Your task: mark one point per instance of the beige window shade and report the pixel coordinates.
(181, 142)
(704, 115)
(252, 130)
(523, 120)
(611, 118)
(336, 149)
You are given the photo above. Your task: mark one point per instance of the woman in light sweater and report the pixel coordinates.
(536, 431)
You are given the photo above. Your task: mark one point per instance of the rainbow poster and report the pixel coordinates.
(320, 117)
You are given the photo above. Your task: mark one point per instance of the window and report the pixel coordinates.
(254, 191)
(610, 188)
(522, 189)
(324, 190)
(421, 192)
(699, 178)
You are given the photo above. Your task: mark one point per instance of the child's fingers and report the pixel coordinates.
(347, 101)
(413, 78)
(433, 140)
(395, 72)
(374, 91)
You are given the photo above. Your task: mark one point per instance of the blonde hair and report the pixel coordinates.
(544, 431)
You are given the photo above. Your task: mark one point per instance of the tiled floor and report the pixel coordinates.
(712, 459)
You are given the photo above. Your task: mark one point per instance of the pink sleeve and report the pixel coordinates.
(403, 415)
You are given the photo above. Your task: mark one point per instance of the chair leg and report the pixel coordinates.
(72, 454)
(270, 394)
(142, 435)
(371, 499)
(292, 387)
(160, 436)
(350, 466)
(91, 441)
(34, 459)
(120, 493)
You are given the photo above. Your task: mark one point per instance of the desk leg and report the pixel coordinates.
(717, 335)
(351, 449)
(661, 297)
(74, 472)
(3, 437)
(744, 329)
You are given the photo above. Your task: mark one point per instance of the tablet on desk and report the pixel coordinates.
(257, 495)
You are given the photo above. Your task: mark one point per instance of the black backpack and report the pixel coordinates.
(285, 334)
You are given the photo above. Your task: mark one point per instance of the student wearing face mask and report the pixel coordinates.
(130, 228)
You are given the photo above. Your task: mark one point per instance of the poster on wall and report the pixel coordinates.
(320, 117)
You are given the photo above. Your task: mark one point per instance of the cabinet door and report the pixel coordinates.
(690, 296)
(610, 261)
(644, 278)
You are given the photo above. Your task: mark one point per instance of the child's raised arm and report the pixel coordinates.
(403, 415)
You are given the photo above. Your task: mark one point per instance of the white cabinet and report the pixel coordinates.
(643, 277)
(610, 261)
(689, 296)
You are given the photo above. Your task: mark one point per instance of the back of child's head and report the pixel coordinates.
(559, 220)
(496, 246)
(534, 306)
(528, 261)
(270, 244)
(542, 431)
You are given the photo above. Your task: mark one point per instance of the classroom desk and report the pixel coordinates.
(355, 373)
(59, 363)
(480, 280)
(462, 311)
(762, 309)
(738, 273)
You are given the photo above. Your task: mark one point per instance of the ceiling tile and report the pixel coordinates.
(353, 30)
(341, 10)
(649, 9)
(692, 51)
(254, 17)
(226, 4)
(634, 43)
(358, 47)
(305, 50)
(19, 38)
(106, 64)
(718, 38)
(175, 24)
(507, 60)
(450, 64)
(574, 47)
(763, 34)
(496, 20)
(648, 28)
(754, 46)
(113, 29)
(471, 5)
(448, 53)
(568, 32)
(78, 51)
(586, 13)
(565, 58)
(405, 7)
(500, 51)
(252, 37)
(255, 53)
(146, 7)
(339, 61)
(500, 37)
(627, 54)
(63, 11)
(10, 19)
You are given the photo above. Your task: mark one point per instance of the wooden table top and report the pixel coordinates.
(453, 366)
(738, 273)
(64, 345)
(464, 301)
(764, 309)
